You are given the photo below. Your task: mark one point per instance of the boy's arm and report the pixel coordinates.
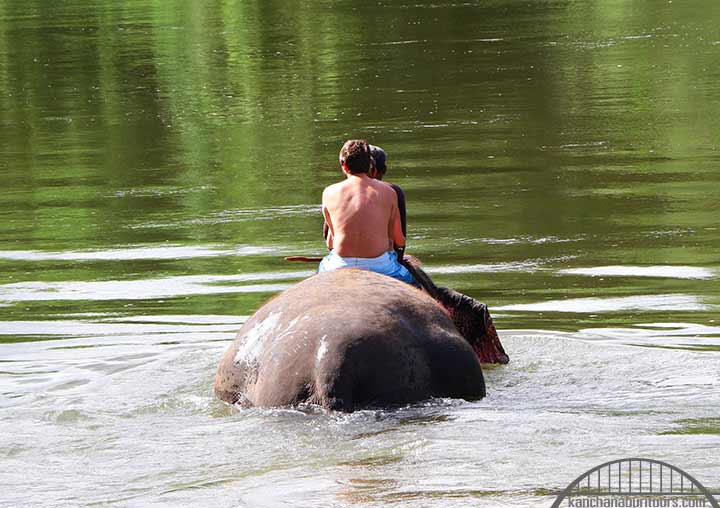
(329, 237)
(327, 227)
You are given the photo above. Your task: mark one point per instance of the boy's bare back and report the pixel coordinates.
(363, 217)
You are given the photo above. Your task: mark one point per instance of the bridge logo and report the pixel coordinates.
(635, 482)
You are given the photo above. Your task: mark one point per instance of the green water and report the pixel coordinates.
(566, 134)
(159, 159)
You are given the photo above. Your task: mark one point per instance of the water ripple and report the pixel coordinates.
(666, 302)
(144, 289)
(666, 335)
(520, 266)
(68, 328)
(135, 253)
(664, 271)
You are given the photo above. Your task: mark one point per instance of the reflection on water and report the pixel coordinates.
(677, 272)
(122, 326)
(164, 252)
(665, 335)
(670, 303)
(560, 161)
(146, 288)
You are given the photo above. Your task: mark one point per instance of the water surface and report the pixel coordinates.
(560, 161)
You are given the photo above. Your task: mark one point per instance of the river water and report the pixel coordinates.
(159, 160)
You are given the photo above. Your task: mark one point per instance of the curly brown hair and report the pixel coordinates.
(355, 153)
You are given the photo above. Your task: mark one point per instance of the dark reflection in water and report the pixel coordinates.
(559, 134)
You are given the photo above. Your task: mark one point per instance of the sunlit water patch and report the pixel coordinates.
(669, 302)
(169, 251)
(90, 350)
(690, 336)
(239, 215)
(528, 240)
(145, 289)
(116, 326)
(201, 319)
(673, 272)
(160, 191)
(522, 266)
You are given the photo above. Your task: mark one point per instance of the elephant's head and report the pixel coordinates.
(471, 318)
(473, 321)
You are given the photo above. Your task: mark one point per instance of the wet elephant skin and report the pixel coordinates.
(348, 339)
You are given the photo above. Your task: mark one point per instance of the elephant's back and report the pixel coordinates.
(345, 339)
(358, 291)
(349, 301)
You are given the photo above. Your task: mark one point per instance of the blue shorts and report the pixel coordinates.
(386, 264)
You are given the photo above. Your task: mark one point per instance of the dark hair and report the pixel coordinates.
(380, 158)
(355, 153)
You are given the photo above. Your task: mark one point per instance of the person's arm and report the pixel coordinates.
(398, 237)
(327, 227)
(401, 207)
(329, 239)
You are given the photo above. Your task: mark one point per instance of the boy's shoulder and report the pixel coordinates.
(332, 190)
(332, 187)
(395, 188)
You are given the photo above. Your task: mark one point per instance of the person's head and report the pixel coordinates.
(379, 166)
(355, 156)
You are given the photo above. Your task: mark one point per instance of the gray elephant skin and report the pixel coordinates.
(347, 340)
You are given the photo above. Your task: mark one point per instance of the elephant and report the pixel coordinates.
(352, 339)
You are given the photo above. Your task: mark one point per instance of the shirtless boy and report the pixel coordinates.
(363, 218)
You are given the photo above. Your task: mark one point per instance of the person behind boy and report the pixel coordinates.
(363, 218)
(377, 171)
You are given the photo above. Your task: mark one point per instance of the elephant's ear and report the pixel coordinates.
(473, 321)
(490, 348)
